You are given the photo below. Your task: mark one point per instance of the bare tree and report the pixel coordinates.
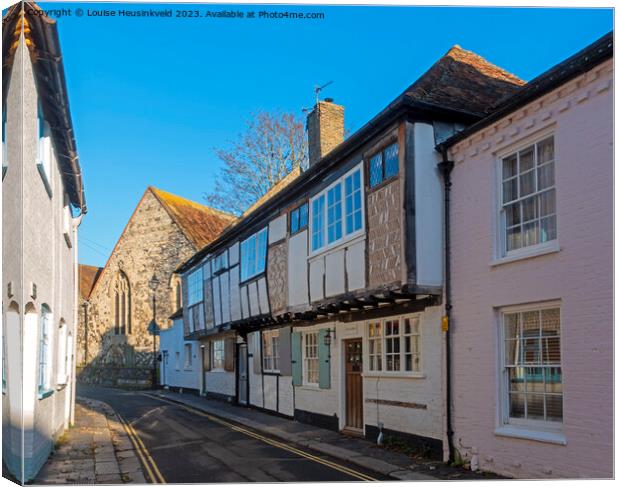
(271, 147)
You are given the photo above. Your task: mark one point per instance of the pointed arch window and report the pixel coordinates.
(122, 305)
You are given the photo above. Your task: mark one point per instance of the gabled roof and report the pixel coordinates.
(199, 223)
(87, 277)
(581, 62)
(462, 80)
(41, 37)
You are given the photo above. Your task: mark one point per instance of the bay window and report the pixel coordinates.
(254, 255)
(334, 220)
(394, 345)
(527, 205)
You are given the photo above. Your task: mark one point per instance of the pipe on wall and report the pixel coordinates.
(446, 166)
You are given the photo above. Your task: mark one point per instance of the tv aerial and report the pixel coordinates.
(318, 89)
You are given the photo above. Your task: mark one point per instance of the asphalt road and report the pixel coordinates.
(188, 447)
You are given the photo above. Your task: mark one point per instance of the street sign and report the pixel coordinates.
(153, 329)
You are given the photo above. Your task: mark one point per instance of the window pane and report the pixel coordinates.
(548, 229)
(535, 406)
(545, 151)
(303, 216)
(526, 182)
(294, 221)
(530, 234)
(547, 203)
(318, 206)
(376, 170)
(526, 159)
(391, 161)
(509, 167)
(530, 208)
(554, 408)
(513, 214)
(513, 238)
(546, 176)
(334, 214)
(262, 251)
(517, 405)
(512, 352)
(509, 192)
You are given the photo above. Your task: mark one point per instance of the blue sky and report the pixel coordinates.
(151, 98)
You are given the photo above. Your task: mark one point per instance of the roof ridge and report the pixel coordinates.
(184, 200)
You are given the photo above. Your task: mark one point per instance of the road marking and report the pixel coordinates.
(277, 444)
(146, 458)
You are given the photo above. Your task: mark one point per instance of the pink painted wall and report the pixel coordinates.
(579, 274)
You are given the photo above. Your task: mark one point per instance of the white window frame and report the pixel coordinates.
(308, 359)
(501, 254)
(218, 359)
(195, 287)
(345, 237)
(551, 431)
(250, 252)
(187, 358)
(46, 344)
(402, 337)
(271, 353)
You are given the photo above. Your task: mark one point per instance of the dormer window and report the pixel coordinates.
(44, 151)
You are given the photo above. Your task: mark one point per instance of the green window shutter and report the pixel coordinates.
(285, 351)
(296, 360)
(324, 359)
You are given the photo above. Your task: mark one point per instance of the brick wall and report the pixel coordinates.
(325, 129)
(384, 235)
(277, 277)
(580, 115)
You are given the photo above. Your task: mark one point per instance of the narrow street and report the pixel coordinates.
(187, 446)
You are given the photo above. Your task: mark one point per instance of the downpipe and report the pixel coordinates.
(446, 167)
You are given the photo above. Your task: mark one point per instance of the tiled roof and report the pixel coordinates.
(462, 80)
(87, 277)
(199, 223)
(274, 190)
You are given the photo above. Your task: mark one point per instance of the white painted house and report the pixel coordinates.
(179, 359)
(42, 206)
(325, 298)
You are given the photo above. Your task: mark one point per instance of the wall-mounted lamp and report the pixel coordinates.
(327, 339)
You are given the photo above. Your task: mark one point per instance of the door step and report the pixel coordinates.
(350, 431)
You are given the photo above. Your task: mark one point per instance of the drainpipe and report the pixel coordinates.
(446, 167)
(76, 299)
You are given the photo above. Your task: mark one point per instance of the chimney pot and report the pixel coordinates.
(325, 125)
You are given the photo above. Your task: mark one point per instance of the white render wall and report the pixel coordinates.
(171, 340)
(47, 261)
(424, 389)
(268, 391)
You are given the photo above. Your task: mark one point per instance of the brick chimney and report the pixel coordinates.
(325, 126)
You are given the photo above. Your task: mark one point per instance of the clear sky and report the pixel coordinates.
(152, 97)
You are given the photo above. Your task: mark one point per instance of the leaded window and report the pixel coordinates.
(383, 165)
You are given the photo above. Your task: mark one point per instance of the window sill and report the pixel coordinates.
(527, 253)
(309, 387)
(44, 394)
(555, 437)
(394, 375)
(382, 184)
(46, 182)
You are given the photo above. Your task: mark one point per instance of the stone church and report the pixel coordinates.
(114, 346)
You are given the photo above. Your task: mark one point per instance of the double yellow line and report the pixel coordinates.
(269, 441)
(145, 457)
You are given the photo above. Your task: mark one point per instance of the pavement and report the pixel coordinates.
(95, 450)
(356, 451)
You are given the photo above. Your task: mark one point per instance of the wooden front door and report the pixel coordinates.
(353, 382)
